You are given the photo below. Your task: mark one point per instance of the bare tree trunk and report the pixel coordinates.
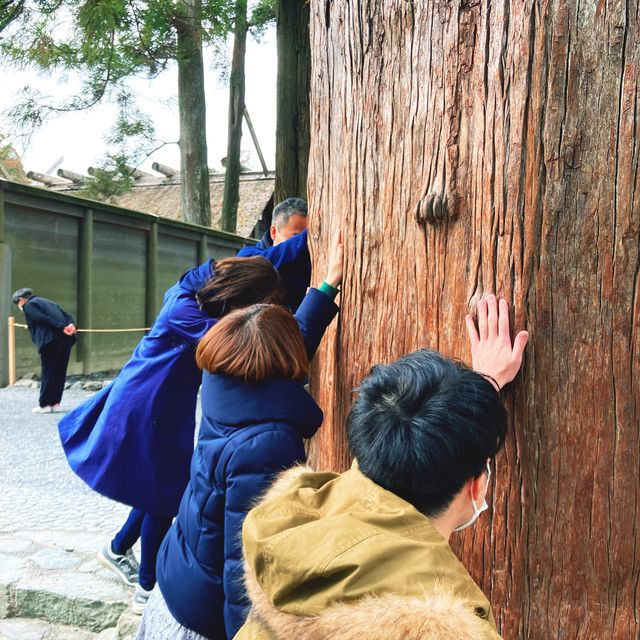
(236, 111)
(468, 148)
(292, 116)
(194, 171)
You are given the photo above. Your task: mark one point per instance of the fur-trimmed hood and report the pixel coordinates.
(336, 557)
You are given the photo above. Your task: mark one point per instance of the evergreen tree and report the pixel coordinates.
(107, 42)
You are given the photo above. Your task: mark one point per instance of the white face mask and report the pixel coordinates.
(483, 507)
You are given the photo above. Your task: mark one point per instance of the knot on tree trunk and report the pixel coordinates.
(433, 208)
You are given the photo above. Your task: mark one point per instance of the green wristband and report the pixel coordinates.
(328, 290)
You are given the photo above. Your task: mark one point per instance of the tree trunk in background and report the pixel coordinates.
(236, 111)
(468, 148)
(194, 170)
(294, 74)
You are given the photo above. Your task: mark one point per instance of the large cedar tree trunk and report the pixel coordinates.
(234, 130)
(475, 147)
(292, 109)
(194, 171)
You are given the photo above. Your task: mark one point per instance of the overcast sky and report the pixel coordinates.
(79, 137)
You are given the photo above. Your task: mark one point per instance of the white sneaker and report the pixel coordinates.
(139, 600)
(46, 409)
(57, 408)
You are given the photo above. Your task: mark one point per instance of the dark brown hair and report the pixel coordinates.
(255, 343)
(240, 282)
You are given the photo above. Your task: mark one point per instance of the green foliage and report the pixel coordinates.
(104, 42)
(9, 11)
(10, 164)
(111, 178)
(262, 15)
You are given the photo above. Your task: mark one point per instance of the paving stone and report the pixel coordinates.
(55, 559)
(108, 634)
(88, 543)
(72, 598)
(90, 566)
(47, 513)
(23, 383)
(30, 629)
(128, 624)
(23, 629)
(14, 545)
(111, 576)
(92, 385)
(12, 569)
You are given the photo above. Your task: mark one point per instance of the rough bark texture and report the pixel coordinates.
(194, 171)
(471, 147)
(236, 112)
(292, 116)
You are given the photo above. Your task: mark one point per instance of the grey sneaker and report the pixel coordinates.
(125, 566)
(139, 600)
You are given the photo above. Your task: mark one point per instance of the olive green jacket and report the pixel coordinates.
(337, 557)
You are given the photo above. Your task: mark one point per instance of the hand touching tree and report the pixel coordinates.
(492, 353)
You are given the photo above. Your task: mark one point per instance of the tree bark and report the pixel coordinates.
(194, 170)
(468, 148)
(236, 111)
(292, 110)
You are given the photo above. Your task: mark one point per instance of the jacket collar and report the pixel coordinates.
(194, 279)
(230, 402)
(265, 242)
(394, 568)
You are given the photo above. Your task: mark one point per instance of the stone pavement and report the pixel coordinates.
(51, 527)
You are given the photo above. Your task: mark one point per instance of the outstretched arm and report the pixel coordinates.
(492, 353)
(317, 310)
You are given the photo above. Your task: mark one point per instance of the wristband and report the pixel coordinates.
(328, 290)
(492, 379)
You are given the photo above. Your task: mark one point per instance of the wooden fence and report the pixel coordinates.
(107, 266)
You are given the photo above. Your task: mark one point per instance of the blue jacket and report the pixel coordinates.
(133, 440)
(46, 321)
(247, 435)
(291, 259)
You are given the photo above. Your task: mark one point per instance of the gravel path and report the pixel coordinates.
(39, 490)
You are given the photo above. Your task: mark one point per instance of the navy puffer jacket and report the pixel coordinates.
(247, 435)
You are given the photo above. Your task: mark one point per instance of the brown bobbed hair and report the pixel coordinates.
(255, 343)
(240, 282)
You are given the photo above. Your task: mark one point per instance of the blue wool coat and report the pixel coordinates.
(248, 434)
(133, 440)
(291, 259)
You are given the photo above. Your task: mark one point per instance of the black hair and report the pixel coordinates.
(238, 283)
(25, 292)
(424, 425)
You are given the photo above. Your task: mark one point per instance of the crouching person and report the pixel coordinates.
(365, 554)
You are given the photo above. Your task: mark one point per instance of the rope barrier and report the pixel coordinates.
(12, 341)
(24, 326)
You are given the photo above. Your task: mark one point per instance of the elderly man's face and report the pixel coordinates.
(295, 224)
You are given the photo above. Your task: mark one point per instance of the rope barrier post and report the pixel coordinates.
(12, 350)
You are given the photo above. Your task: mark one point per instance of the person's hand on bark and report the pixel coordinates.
(336, 259)
(492, 353)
